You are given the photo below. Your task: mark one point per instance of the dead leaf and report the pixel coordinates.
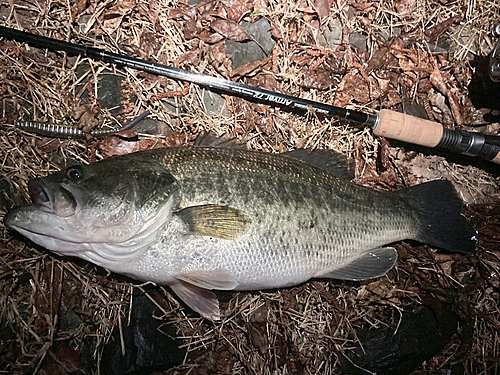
(149, 44)
(114, 16)
(319, 78)
(206, 7)
(210, 37)
(405, 7)
(439, 83)
(125, 143)
(322, 8)
(352, 87)
(184, 12)
(365, 7)
(78, 9)
(432, 33)
(230, 30)
(46, 144)
(217, 56)
(239, 9)
(264, 81)
(257, 329)
(253, 68)
(190, 57)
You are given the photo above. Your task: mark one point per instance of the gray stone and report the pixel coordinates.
(331, 34)
(249, 51)
(215, 104)
(358, 40)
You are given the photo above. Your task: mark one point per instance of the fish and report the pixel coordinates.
(200, 218)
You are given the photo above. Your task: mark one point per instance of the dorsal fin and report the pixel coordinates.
(208, 139)
(335, 163)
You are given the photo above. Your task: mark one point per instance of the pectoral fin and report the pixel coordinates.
(213, 220)
(370, 265)
(217, 279)
(201, 300)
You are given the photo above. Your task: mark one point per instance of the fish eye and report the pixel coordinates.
(74, 173)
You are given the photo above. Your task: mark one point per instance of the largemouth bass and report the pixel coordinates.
(201, 218)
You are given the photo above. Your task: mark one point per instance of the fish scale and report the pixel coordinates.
(204, 218)
(280, 190)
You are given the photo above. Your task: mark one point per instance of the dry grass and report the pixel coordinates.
(306, 327)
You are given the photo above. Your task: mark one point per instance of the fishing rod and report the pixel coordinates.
(386, 123)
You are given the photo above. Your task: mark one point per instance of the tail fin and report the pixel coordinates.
(443, 225)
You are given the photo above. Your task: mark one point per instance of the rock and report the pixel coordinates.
(422, 334)
(358, 40)
(146, 348)
(331, 34)
(215, 104)
(245, 52)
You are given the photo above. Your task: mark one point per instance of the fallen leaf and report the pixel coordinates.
(210, 37)
(191, 57)
(352, 87)
(251, 68)
(319, 78)
(434, 32)
(149, 44)
(217, 56)
(114, 16)
(405, 7)
(365, 7)
(322, 8)
(184, 12)
(46, 144)
(239, 9)
(230, 30)
(257, 329)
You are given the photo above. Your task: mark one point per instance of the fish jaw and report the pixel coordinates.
(69, 237)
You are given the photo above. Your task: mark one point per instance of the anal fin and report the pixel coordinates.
(215, 279)
(370, 265)
(201, 300)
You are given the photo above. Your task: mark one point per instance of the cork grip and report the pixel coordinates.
(408, 128)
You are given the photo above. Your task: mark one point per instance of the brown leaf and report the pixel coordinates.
(352, 87)
(190, 57)
(245, 113)
(206, 7)
(114, 16)
(209, 37)
(124, 143)
(439, 83)
(184, 12)
(434, 32)
(218, 57)
(365, 7)
(149, 44)
(265, 81)
(230, 30)
(251, 68)
(322, 8)
(78, 9)
(319, 78)
(276, 32)
(405, 7)
(239, 9)
(46, 144)
(257, 329)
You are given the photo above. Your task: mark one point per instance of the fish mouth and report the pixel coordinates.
(41, 195)
(61, 200)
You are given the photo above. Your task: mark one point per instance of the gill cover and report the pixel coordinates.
(109, 202)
